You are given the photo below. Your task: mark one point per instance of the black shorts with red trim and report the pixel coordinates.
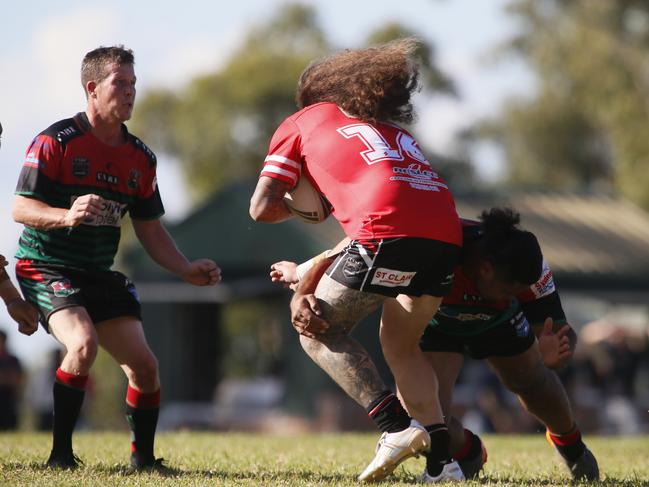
(51, 287)
(507, 339)
(404, 265)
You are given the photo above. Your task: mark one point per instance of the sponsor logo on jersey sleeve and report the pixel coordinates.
(65, 133)
(391, 278)
(521, 325)
(545, 285)
(32, 161)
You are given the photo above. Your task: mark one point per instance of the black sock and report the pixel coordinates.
(472, 446)
(570, 445)
(388, 413)
(142, 410)
(67, 405)
(438, 455)
(143, 423)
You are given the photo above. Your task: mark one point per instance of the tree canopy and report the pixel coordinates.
(585, 125)
(219, 126)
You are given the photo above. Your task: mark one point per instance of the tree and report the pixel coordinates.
(586, 124)
(220, 125)
(433, 78)
(457, 171)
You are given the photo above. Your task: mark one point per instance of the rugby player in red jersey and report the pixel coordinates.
(404, 238)
(503, 298)
(80, 177)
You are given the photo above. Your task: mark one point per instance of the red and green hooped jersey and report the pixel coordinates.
(465, 312)
(66, 161)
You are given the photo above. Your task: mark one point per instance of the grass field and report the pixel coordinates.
(198, 459)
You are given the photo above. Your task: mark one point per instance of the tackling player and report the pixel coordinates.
(501, 286)
(404, 236)
(80, 177)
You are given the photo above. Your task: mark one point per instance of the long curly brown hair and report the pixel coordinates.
(373, 84)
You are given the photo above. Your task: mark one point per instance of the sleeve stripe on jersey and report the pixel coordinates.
(31, 160)
(283, 160)
(282, 172)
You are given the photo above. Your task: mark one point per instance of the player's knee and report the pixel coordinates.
(399, 350)
(145, 371)
(83, 351)
(312, 346)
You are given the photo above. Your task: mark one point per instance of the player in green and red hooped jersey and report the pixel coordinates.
(80, 177)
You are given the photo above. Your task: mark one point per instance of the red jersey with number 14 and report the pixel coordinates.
(375, 176)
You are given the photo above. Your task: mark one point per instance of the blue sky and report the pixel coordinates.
(43, 43)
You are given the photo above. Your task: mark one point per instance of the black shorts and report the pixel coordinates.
(412, 266)
(504, 340)
(50, 287)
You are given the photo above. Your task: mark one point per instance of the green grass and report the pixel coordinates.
(201, 459)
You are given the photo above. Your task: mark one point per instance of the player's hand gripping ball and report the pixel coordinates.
(307, 203)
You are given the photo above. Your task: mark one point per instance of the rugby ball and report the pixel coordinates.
(306, 203)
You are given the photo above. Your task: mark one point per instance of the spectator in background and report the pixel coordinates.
(11, 378)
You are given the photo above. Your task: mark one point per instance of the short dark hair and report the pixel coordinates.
(515, 253)
(93, 66)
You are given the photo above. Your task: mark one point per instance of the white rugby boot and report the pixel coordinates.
(394, 448)
(450, 473)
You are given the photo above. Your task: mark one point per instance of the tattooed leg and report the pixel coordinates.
(336, 352)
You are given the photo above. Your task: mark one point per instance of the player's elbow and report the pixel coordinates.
(261, 210)
(18, 211)
(15, 215)
(261, 215)
(257, 212)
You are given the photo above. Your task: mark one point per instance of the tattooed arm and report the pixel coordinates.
(267, 202)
